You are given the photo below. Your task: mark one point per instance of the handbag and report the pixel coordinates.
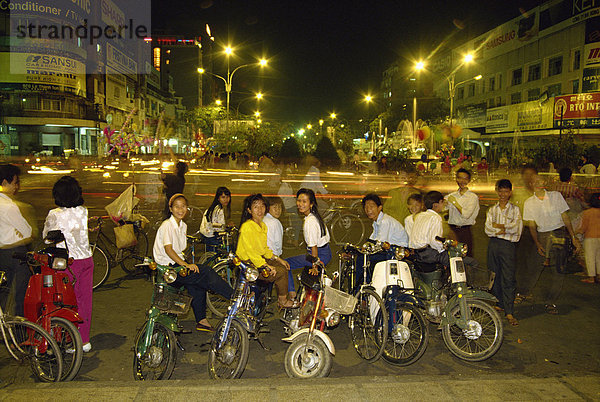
(125, 236)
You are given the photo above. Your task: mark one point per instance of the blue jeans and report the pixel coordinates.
(299, 261)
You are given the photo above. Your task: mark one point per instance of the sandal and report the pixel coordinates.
(498, 308)
(551, 309)
(588, 280)
(288, 304)
(512, 320)
(519, 298)
(204, 328)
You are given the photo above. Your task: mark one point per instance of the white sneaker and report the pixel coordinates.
(87, 347)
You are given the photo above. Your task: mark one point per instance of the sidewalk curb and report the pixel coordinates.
(492, 387)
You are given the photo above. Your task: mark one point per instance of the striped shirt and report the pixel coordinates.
(509, 216)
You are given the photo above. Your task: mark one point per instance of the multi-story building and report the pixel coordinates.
(534, 71)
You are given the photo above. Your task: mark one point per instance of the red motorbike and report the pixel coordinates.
(50, 300)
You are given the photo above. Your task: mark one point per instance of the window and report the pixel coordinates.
(575, 87)
(576, 59)
(471, 90)
(460, 93)
(533, 94)
(492, 84)
(499, 81)
(51, 104)
(554, 90)
(515, 98)
(554, 66)
(517, 76)
(535, 72)
(30, 102)
(499, 101)
(491, 103)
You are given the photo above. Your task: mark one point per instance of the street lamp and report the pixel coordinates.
(258, 96)
(228, 79)
(321, 121)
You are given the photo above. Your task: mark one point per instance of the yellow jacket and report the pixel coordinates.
(252, 243)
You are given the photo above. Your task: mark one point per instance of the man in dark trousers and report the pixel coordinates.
(463, 207)
(503, 225)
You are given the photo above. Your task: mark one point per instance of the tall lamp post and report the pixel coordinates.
(258, 96)
(229, 78)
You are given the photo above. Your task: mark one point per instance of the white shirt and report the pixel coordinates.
(274, 234)
(386, 228)
(470, 208)
(409, 221)
(217, 218)
(14, 227)
(73, 223)
(169, 233)
(427, 226)
(545, 213)
(312, 180)
(287, 195)
(510, 217)
(312, 232)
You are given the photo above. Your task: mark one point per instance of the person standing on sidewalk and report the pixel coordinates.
(16, 233)
(503, 225)
(463, 207)
(590, 227)
(545, 213)
(71, 218)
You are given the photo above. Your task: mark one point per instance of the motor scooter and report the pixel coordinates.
(472, 330)
(50, 300)
(154, 351)
(310, 352)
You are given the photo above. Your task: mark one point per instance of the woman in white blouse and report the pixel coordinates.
(215, 217)
(316, 235)
(71, 218)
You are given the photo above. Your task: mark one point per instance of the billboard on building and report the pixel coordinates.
(577, 110)
(471, 116)
(497, 120)
(521, 116)
(40, 72)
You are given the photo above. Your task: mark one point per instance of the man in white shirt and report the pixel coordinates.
(428, 225)
(463, 207)
(503, 225)
(274, 227)
(15, 234)
(545, 213)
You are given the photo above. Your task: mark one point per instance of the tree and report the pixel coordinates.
(290, 151)
(326, 153)
(560, 150)
(202, 118)
(264, 138)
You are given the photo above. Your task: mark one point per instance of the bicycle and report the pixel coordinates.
(105, 259)
(345, 226)
(218, 261)
(26, 340)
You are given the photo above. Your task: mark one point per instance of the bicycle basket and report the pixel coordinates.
(170, 300)
(339, 301)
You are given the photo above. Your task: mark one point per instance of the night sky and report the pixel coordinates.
(325, 55)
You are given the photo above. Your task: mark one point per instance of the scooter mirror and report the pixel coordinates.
(55, 236)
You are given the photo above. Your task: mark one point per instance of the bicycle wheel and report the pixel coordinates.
(368, 325)
(140, 250)
(409, 335)
(217, 304)
(481, 340)
(101, 267)
(159, 361)
(69, 341)
(33, 343)
(347, 228)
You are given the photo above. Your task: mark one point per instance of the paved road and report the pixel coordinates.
(543, 345)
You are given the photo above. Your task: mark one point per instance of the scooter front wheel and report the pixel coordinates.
(229, 360)
(69, 341)
(368, 325)
(481, 339)
(311, 360)
(158, 362)
(408, 337)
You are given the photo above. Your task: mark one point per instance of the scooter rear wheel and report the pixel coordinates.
(159, 361)
(307, 361)
(69, 341)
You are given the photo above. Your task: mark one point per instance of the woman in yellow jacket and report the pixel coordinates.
(252, 245)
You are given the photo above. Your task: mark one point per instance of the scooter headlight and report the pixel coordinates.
(333, 318)
(463, 250)
(400, 253)
(59, 264)
(170, 276)
(251, 274)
